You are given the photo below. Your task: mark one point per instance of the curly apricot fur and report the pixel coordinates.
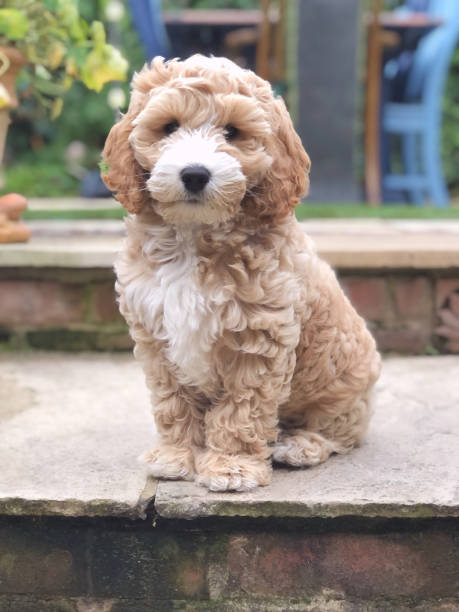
(250, 349)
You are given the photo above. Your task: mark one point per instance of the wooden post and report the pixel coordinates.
(279, 43)
(262, 56)
(373, 109)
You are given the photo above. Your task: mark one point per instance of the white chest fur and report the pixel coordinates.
(170, 304)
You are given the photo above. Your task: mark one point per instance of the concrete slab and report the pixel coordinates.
(408, 465)
(386, 243)
(345, 244)
(66, 244)
(71, 427)
(75, 203)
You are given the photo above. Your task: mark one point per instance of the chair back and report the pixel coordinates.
(432, 58)
(417, 5)
(147, 19)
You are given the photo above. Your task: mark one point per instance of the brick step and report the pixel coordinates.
(402, 276)
(82, 528)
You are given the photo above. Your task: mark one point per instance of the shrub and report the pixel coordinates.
(60, 47)
(36, 141)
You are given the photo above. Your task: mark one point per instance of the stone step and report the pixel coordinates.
(401, 276)
(345, 244)
(82, 528)
(73, 425)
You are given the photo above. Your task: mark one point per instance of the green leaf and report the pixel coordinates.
(98, 36)
(67, 14)
(103, 67)
(49, 88)
(79, 54)
(13, 24)
(103, 166)
(56, 108)
(51, 5)
(43, 73)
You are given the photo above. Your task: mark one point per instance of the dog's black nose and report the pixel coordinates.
(195, 178)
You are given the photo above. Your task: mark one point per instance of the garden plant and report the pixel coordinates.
(61, 48)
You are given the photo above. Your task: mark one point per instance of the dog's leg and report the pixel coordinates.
(237, 436)
(179, 418)
(242, 425)
(180, 426)
(332, 429)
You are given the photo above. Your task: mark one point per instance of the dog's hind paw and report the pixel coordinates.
(220, 472)
(171, 462)
(300, 448)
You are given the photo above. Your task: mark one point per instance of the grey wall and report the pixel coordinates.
(327, 95)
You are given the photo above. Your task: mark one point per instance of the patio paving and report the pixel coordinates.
(71, 427)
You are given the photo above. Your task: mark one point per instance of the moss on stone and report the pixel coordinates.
(67, 508)
(281, 509)
(112, 337)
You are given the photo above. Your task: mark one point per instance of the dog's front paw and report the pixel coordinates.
(220, 472)
(171, 462)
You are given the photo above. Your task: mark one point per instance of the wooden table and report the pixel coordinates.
(217, 17)
(254, 27)
(384, 31)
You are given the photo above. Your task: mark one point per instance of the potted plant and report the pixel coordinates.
(55, 46)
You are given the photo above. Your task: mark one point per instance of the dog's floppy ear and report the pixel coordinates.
(287, 180)
(119, 169)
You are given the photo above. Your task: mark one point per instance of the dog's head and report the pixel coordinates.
(203, 140)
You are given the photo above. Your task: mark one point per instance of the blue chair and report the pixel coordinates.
(418, 118)
(417, 5)
(147, 19)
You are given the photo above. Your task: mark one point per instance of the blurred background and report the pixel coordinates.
(372, 87)
(353, 73)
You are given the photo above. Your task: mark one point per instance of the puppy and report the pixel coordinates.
(251, 351)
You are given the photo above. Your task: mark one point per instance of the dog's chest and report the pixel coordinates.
(179, 312)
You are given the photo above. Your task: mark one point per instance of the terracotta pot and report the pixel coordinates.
(11, 229)
(11, 205)
(14, 232)
(8, 79)
(17, 61)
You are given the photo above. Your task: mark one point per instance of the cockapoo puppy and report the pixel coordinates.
(251, 350)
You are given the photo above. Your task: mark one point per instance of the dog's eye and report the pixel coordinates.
(170, 127)
(230, 132)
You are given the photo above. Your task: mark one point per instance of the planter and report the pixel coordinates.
(11, 205)
(11, 62)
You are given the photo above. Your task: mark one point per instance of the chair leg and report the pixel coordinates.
(386, 145)
(433, 166)
(411, 165)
